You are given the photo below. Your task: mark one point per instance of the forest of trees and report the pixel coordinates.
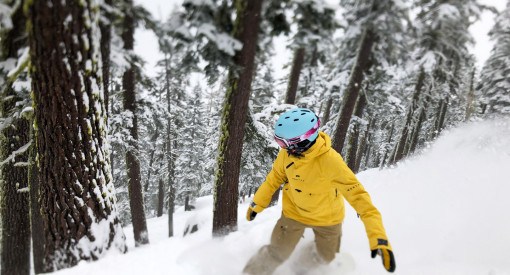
(89, 142)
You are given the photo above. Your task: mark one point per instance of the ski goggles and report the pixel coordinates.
(286, 143)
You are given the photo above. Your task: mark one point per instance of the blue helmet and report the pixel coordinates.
(295, 126)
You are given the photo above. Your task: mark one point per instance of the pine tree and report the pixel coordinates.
(373, 43)
(442, 38)
(495, 81)
(315, 25)
(191, 141)
(77, 196)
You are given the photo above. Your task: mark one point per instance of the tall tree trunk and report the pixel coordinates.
(354, 136)
(161, 197)
(36, 222)
(297, 65)
(169, 152)
(14, 139)
(327, 110)
(77, 196)
(390, 136)
(132, 163)
(417, 128)
(171, 189)
(470, 97)
(404, 137)
(351, 93)
(106, 37)
(440, 117)
(363, 149)
(14, 196)
(234, 118)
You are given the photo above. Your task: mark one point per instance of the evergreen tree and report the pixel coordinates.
(442, 38)
(205, 27)
(495, 76)
(315, 25)
(373, 42)
(191, 141)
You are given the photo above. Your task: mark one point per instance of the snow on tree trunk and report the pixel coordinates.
(14, 198)
(14, 139)
(234, 118)
(132, 162)
(77, 194)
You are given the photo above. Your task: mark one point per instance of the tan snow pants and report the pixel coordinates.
(286, 234)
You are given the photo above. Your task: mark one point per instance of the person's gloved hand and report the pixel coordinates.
(253, 209)
(383, 249)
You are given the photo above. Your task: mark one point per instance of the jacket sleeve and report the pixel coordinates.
(274, 180)
(359, 199)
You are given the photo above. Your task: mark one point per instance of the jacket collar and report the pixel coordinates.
(321, 146)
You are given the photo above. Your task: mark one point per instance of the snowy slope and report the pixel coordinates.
(446, 211)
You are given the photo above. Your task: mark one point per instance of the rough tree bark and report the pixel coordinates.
(234, 118)
(77, 195)
(132, 163)
(36, 222)
(14, 196)
(361, 65)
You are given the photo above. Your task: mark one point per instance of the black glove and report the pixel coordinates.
(251, 214)
(383, 250)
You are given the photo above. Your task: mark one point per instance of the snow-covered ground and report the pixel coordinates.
(446, 211)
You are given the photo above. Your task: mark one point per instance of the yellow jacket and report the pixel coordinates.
(314, 187)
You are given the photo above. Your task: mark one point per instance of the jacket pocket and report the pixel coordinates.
(311, 203)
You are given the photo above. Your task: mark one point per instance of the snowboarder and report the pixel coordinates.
(316, 179)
